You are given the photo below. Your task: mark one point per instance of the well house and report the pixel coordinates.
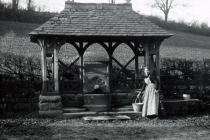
(109, 26)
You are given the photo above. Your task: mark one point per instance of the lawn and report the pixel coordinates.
(32, 127)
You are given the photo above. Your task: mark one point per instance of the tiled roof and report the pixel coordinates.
(90, 19)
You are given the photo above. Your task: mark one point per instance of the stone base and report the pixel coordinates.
(50, 106)
(48, 98)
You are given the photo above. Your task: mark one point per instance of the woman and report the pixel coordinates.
(151, 94)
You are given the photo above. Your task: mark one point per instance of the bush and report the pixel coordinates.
(180, 76)
(20, 75)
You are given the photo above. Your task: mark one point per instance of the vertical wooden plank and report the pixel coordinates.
(43, 65)
(56, 69)
(136, 61)
(81, 63)
(152, 55)
(158, 61)
(110, 53)
(82, 71)
(147, 58)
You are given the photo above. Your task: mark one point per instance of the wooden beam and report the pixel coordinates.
(77, 59)
(123, 67)
(79, 50)
(146, 48)
(129, 62)
(115, 46)
(84, 48)
(117, 62)
(81, 44)
(136, 61)
(56, 69)
(158, 62)
(110, 52)
(43, 46)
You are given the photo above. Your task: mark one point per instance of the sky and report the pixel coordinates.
(185, 10)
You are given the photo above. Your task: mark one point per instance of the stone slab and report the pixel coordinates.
(88, 113)
(73, 110)
(51, 113)
(106, 118)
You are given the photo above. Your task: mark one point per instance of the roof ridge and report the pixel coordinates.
(69, 5)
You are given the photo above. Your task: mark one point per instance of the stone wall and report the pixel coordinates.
(11, 104)
(118, 99)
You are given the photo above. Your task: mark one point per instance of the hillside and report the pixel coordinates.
(14, 38)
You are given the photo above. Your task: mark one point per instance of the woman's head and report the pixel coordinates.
(146, 71)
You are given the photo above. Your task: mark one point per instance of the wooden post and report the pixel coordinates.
(136, 62)
(157, 47)
(82, 71)
(43, 65)
(147, 58)
(56, 69)
(152, 55)
(110, 53)
(81, 66)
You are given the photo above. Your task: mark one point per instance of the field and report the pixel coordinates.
(14, 38)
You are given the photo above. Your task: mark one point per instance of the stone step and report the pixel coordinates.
(123, 108)
(106, 118)
(88, 113)
(73, 110)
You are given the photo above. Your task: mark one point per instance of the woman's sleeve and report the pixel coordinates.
(157, 84)
(143, 87)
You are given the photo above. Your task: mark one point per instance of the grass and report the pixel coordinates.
(190, 127)
(14, 38)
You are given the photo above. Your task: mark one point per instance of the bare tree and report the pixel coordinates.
(112, 1)
(165, 6)
(15, 4)
(30, 5)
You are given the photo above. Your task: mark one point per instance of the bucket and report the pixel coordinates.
(137, 107)
(186, 96)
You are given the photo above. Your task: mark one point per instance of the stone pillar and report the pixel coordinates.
(50, 104)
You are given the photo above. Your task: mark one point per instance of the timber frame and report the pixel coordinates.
(149, 48)
(144, 39)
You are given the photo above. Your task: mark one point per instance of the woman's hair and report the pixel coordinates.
(153, 78)
(146, 68)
